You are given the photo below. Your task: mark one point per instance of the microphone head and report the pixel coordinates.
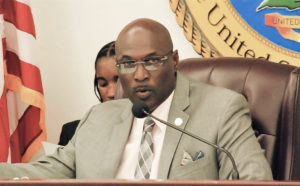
(139, 108)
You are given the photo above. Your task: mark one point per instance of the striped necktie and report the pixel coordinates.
(145, 158)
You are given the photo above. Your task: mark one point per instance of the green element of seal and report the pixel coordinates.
(288, 4)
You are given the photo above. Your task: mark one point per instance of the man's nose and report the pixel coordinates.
(141, 73)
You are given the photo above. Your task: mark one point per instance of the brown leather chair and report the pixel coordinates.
(272, 91)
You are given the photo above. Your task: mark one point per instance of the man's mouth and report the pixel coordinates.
(143, 92)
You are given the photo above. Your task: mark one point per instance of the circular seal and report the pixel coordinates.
(268, 29)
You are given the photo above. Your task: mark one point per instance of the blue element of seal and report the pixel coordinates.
(253, 12)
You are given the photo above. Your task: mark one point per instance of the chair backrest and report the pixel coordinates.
(272, 91)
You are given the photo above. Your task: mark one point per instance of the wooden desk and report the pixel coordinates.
(69, 182)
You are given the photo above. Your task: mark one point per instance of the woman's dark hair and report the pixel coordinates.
(107, 50)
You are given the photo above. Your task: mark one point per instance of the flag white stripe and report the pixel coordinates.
(16, 109)
(21, 43)
(13, 112)
(9, 156)
(27, 2)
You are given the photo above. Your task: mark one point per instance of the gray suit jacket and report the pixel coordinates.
(218, 115)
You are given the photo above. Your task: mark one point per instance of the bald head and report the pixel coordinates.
(145, 46)
(144, 33)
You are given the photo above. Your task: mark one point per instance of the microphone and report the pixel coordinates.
(141, 110)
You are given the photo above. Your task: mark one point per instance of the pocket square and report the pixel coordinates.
(198, 155)
(187, 158)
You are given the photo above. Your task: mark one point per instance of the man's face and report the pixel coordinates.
(149, 86)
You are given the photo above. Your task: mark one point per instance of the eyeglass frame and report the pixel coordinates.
(161, 62)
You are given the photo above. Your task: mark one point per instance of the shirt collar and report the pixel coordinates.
(161, 112)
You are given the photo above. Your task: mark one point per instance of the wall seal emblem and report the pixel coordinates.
(268, 29)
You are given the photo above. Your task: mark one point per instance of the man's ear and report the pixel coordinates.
(175, 59)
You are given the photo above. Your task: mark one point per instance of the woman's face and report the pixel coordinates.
(106, 73)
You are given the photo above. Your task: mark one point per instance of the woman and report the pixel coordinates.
(105, 82)
(106, 73)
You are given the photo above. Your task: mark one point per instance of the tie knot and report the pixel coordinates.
(148, 124)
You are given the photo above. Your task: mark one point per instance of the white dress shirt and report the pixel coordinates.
(130, 155)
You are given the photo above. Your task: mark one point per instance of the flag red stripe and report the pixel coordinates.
(28, 73)
(35, 98)
(3, 47)
(4, 128)
(4, 121)
(24, 79)
(26, 132)
(18, 14)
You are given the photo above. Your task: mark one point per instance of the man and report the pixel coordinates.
(108, 142)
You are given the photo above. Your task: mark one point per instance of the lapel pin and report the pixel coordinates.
(178, 121)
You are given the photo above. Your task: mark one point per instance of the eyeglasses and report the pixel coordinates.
(149, 63)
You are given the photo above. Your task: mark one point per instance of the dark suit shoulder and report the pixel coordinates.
(67, 132)
(72, 124)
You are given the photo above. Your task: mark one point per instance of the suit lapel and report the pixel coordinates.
(172, 137)
(117, 142)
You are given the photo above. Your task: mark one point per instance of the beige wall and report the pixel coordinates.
(69, 35)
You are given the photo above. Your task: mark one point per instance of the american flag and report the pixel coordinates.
(22, 106)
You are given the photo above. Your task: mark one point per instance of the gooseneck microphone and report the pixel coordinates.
(141, 110)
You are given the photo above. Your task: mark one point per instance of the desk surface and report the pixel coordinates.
(79, 182)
